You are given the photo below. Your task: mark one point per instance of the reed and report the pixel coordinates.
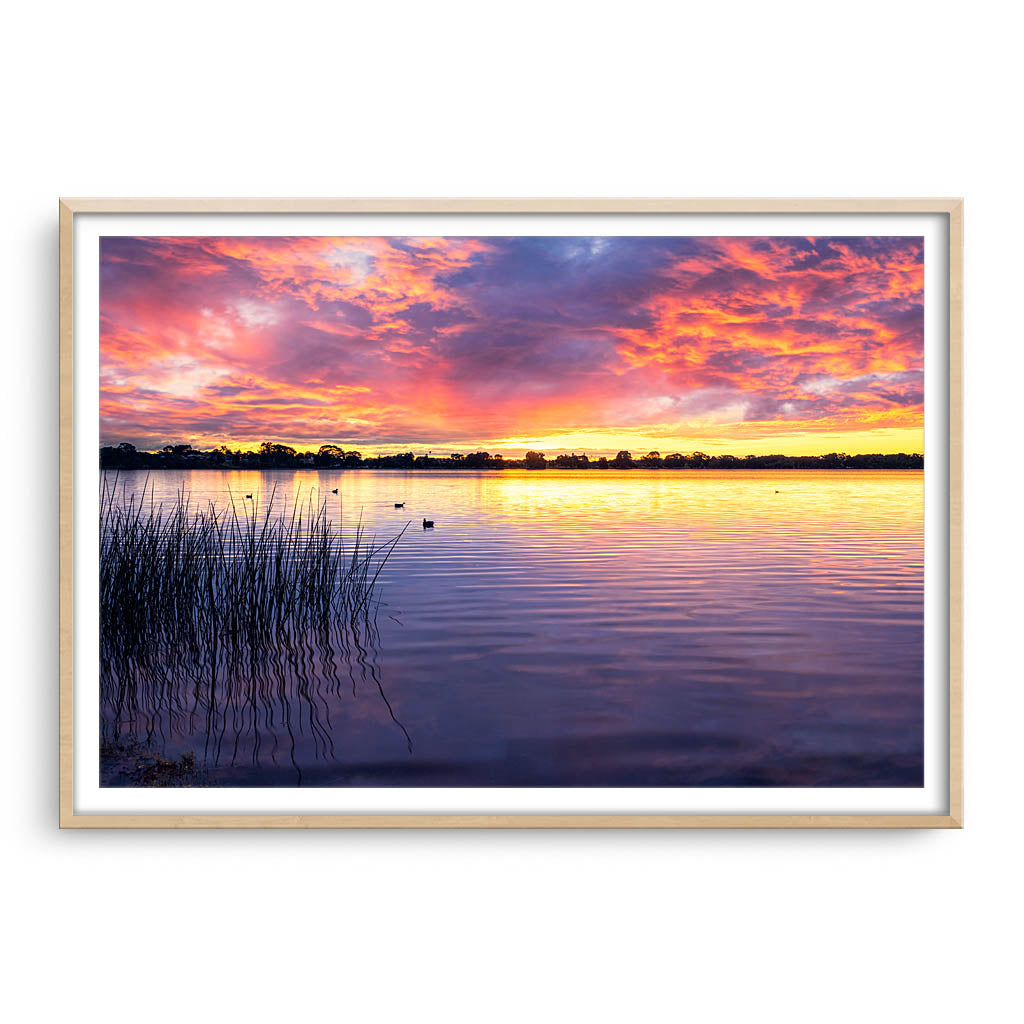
(183, 574)
(233, 628)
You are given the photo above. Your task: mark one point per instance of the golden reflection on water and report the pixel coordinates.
(624, 627)
(790, 499)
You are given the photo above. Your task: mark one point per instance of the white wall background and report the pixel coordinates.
(530, 98)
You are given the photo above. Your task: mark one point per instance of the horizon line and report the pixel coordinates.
(424, 451)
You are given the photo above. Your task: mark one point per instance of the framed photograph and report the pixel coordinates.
(510, 513)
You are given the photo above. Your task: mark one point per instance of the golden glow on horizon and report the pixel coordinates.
(855, 442)
(594, 444)
(739, 346)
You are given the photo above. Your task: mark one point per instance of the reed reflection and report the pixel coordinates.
(237, 634)
(578, 629)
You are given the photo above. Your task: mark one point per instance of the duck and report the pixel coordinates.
(248, 495)
(399, 504)
(335, 491)
(428, 524)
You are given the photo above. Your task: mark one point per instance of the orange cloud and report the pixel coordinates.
(457, 341)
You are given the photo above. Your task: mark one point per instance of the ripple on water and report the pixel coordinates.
(597, 628)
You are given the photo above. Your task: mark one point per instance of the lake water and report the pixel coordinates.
(589, 628)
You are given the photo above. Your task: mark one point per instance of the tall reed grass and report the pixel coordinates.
(233, 626)
(180, 572)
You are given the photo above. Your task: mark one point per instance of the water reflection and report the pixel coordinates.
(253, 710)
(588, 628)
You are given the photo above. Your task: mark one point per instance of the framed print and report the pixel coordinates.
(510, 513)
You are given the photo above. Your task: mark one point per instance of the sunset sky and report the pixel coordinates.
(726, 345)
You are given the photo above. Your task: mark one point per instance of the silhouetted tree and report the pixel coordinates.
(271, 454)
(329, 455)
(834, 460)
(276, 456)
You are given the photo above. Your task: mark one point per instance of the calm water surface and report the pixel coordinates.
(594, 628)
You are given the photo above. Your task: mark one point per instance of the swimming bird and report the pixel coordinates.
(428, 524)
(399, 504)
(335, 491)
(248, 495)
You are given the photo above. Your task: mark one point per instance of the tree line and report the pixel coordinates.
(271, 455)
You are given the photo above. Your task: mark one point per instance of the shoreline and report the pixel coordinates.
(334, 457)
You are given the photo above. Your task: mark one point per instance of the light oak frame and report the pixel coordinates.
(952, 208)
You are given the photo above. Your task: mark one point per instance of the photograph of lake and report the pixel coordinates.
(511, 511)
